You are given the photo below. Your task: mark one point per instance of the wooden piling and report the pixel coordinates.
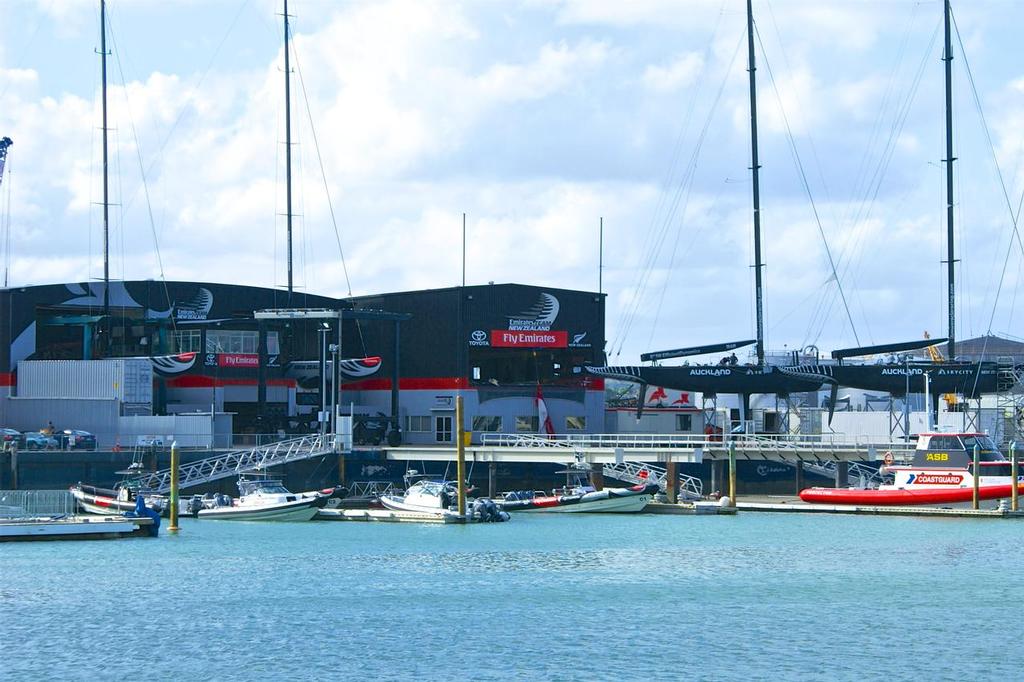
(492, 480)
(671, 481)
(1014, 472)
(173, 528)
(461, 450)
(977, 479)
(732, 473)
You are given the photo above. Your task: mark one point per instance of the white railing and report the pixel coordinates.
(688, 488)
(236, 462)
(806, 445)
(24, 504)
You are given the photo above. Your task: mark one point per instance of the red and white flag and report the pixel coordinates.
(543, 418)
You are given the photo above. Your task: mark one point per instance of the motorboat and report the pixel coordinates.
(261, 499)
(438, 497)
(105, 501)
(582, 499)
(941, 472)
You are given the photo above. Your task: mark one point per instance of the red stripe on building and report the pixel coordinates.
(203, 381)
(6, 378)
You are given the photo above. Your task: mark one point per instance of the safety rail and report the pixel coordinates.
(25, 504)
(799, 444)
(865, 476)
(234, 463)
(370, 489)
(688, 488)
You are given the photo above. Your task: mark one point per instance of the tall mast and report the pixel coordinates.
(754, 166)
(288, 145)
(950, 261)
(106, 197)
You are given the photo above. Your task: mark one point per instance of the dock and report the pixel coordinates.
(74, 528)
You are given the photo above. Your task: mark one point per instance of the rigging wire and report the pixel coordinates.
(187, 100)
(806, 185)
(659, 231)
(323, 172)
(874, 186)
(660, 227)
(327, 189)
(1015, 233)
(142, 172)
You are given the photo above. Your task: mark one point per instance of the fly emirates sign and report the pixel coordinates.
(501, 338)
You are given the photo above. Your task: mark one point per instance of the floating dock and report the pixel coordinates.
(709, 508)
(74, 528)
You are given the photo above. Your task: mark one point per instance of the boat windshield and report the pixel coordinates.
(265, 487)
(429, 487)
(987, 450)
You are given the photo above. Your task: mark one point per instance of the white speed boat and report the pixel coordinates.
(262, 499)
(439, 498)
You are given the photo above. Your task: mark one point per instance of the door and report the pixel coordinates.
(443, 429)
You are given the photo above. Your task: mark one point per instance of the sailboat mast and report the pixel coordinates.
(950, 261)
(106, 183)
(288, 145)
(754, 167)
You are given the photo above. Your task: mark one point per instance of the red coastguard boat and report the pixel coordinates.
(941, 473)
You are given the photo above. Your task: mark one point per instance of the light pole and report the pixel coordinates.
(322, 417)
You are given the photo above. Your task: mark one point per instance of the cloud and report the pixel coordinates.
(536, 120)
(679, 73)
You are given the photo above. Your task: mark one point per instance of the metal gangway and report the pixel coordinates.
(234, 463)
(688, 487)
(859, 475)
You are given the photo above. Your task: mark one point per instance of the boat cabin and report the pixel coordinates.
(955, 450)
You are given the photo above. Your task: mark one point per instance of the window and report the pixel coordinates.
(188, 341)
(684, 422)
(443, 429)
(484, 424)
(417, 423)
(232, 341)
(575, 423)
(527, 424)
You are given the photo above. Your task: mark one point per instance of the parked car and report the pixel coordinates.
(75, 439)
(11, 436)
(37, 440)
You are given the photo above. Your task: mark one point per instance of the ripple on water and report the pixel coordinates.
(568, 597)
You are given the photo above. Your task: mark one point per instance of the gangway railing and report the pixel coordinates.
(865, 476)
(234, 463)
(689, 487)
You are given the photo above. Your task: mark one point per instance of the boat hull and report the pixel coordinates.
(300, 510)
(612, 500)
(398, 504)
(904, 497)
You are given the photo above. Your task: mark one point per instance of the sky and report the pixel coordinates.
(538, 119)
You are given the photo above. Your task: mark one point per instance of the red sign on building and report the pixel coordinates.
(238, 360)
(504, 338)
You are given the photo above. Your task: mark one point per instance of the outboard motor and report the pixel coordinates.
(194, 505)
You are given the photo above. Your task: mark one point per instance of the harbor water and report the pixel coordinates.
(572, 597)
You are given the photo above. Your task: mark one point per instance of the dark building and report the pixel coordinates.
(497, 345)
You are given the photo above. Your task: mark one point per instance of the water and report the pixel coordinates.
(572, 597)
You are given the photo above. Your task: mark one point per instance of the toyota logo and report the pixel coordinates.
(479, 336)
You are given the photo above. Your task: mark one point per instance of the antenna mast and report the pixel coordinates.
(754, 166)
(950, 261)
(288, 145)
(106, 196)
